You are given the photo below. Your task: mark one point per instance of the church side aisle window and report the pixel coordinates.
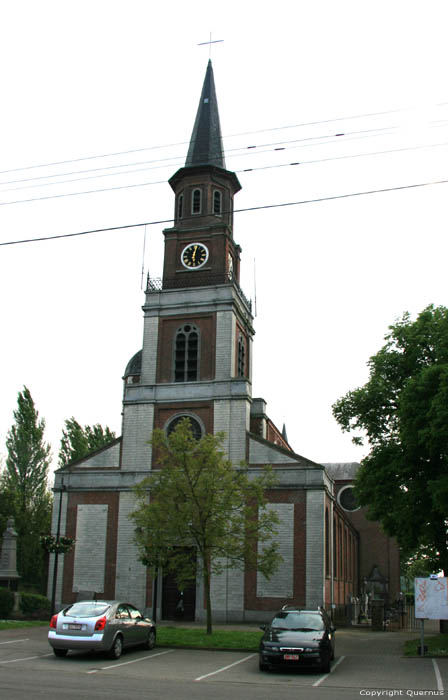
(186, 354)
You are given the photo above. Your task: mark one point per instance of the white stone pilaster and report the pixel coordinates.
(315, 548)
(130, 572)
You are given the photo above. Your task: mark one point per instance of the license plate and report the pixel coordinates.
(74, 627)
(291, 657)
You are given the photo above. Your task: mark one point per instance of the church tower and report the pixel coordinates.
(196, 356)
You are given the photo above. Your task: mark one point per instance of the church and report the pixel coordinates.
(196, 362)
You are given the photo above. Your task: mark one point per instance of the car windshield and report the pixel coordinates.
(86, 609)
(298, 621)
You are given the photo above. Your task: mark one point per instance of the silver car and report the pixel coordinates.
(100, 625)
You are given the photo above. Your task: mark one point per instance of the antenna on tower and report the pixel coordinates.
(255, 290)
(143, 257)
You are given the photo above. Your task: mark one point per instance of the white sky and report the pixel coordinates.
(82, 79)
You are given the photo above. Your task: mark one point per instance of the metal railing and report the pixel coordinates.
(158, 284)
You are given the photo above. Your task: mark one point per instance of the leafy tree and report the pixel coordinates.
(24, 487)
(77, 442)
(198, 499)
(403, 411)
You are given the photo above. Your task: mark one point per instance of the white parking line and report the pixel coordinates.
(322, 678)
(13, 641)
(134, 661)
(438, 676)
(224, 668)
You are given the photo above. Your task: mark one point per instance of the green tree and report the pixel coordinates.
(78, 441)
(198, 499)
(24, 486)
(403, 412)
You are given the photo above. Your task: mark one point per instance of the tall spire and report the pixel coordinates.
(206, 141)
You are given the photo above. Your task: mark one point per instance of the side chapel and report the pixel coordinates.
(195, 362)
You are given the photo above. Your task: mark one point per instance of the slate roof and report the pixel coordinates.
(206, 141)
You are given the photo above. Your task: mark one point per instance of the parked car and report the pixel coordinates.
(100, 625)
(296, 638)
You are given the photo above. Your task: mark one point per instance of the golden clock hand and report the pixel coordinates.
(194, 252)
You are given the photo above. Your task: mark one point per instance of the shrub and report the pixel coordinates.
(34, 605)
(6, 602)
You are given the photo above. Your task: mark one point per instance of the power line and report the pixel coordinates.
(246, 209)
(228, 136)
(242, 170)
(232, 152)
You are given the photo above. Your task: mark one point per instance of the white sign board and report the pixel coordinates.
(431, 598)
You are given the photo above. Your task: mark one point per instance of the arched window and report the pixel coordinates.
(341, 554)
(345, 554)
(327, 542)
(186, 354)
(195, 426)
(217, 202)
(180, 206)
(241, 369)
(335, 552)
(196, 201)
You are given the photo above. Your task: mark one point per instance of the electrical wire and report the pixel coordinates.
(242, 170)
(246, 209)
(243, 133)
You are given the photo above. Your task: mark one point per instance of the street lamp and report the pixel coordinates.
(56, 554)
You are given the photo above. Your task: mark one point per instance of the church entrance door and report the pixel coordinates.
(178, 604)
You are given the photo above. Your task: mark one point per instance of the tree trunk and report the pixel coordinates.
(208, 602)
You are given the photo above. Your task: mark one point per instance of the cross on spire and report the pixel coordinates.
(209, 43)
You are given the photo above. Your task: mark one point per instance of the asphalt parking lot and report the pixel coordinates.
(365, 662)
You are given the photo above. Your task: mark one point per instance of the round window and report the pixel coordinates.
(195, 426)
(347, 500)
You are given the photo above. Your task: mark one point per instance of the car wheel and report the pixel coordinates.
(332, 655)
(262, 666)
(60, 652)
(117, 647)
(150, 640)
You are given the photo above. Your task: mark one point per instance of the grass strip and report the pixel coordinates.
(437, 646)
(239, 640)
(17, 624)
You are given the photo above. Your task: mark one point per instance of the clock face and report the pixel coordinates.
(194, 255)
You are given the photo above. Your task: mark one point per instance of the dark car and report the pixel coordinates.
(296, 638)
(100, 625)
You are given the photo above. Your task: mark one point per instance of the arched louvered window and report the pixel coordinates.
(217, 202)
(186, 354)
(180, 206)
(196, 201)
(241, 369)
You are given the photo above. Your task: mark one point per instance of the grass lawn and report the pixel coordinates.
(178, 636)
(17, 624)
(437, 646)
(198, 639)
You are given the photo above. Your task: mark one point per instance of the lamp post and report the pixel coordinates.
(56, 554)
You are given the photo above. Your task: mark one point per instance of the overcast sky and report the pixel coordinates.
(104, 95)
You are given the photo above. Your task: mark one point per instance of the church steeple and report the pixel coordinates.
(199, 248)
(206, 141)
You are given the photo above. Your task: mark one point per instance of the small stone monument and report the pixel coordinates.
(9, 578)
